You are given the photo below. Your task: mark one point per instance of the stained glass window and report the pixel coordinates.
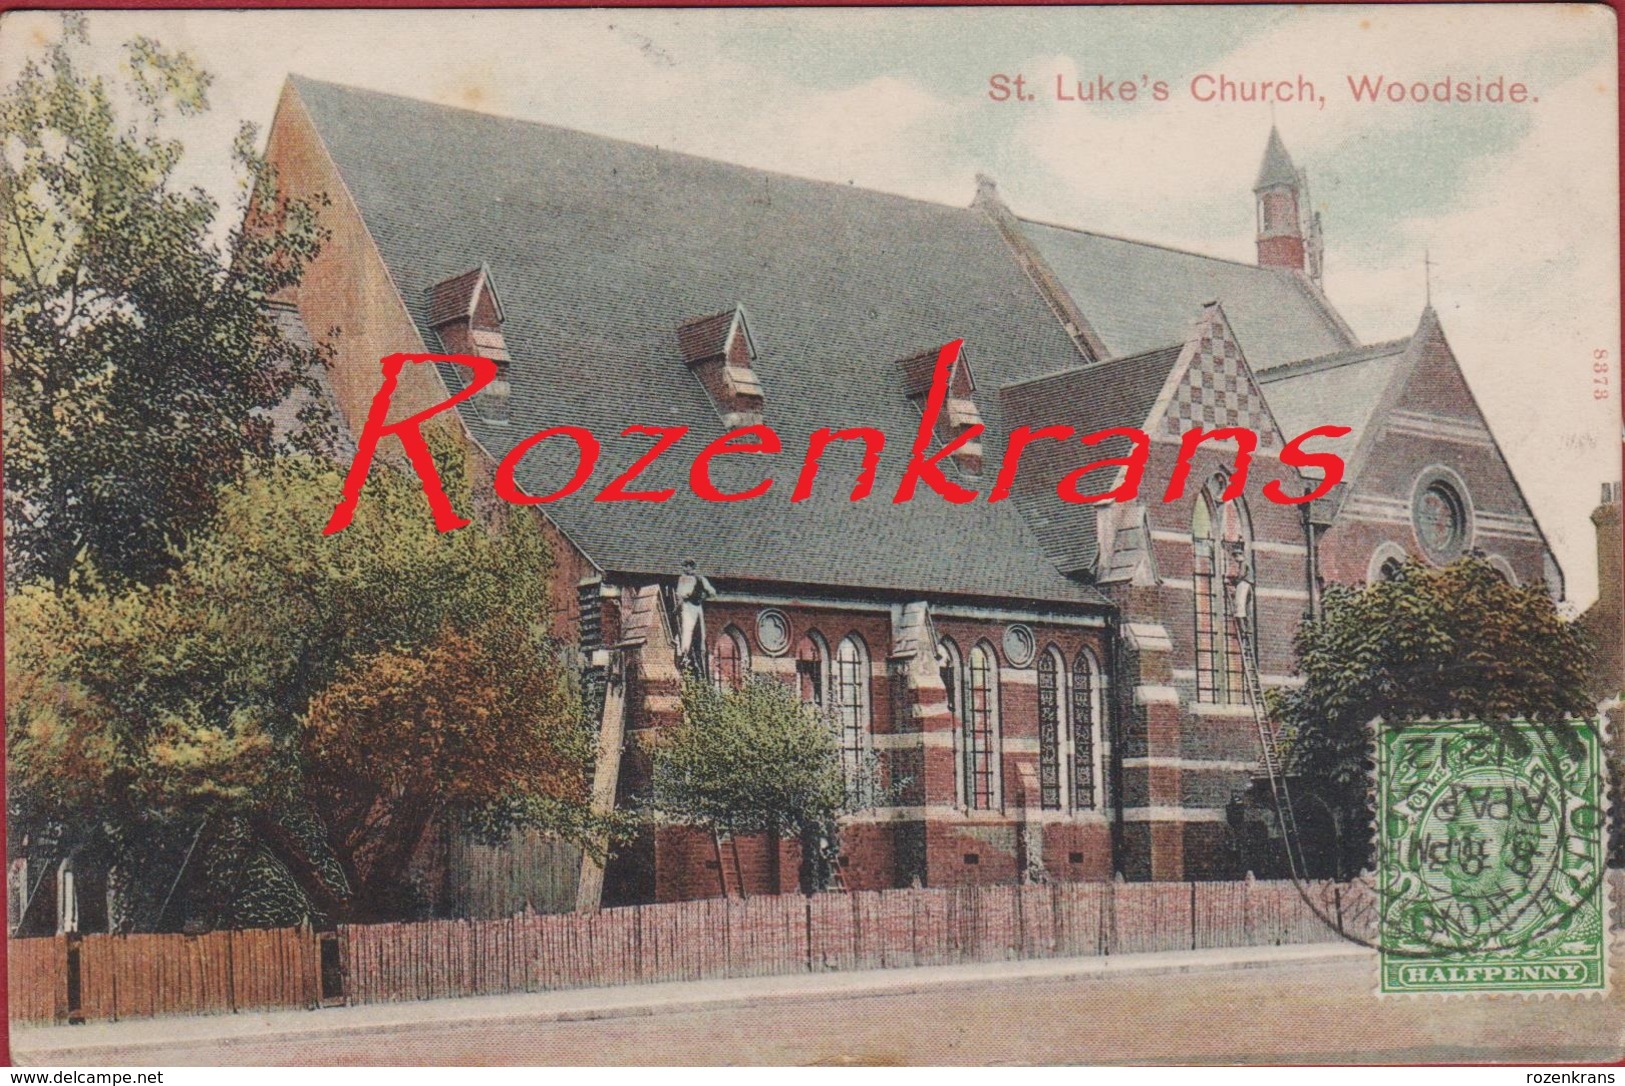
(1207, 614)
(1441, 521)
(852, 702)
(812, 669)
(1049, 731)
(730, 663)
(981, 708)
(1085, 729)
(1236, 561)
(1221, 546)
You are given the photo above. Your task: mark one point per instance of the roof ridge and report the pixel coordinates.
(1137, 241)
(710, 317)
(1103, 363)
(1332, 359)
(350, 88)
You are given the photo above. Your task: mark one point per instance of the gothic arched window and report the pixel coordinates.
(1209, 609)
(812, 669)
(1236, 556)
(730, 663)
(1088, 704)
(1386, 562)
(1280, 214)
(852, 702)
(980, 723)
(1050, 731)
(951, 669)
(1221, 544)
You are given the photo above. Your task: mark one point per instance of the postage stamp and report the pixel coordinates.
(1490, 859)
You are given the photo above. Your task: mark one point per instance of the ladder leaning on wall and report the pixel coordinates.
(1269, 741)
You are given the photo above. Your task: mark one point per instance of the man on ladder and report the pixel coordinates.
(1239, 586)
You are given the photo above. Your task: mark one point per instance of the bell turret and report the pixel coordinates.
(1288, 233)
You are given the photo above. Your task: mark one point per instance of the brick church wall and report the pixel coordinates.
(1185, 759)
(1433, 422)
(923, 834)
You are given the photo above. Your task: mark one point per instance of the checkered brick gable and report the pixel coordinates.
(1218, 390)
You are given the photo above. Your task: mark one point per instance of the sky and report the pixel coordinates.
(1514, 206)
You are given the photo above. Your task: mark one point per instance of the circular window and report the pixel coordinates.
(1440, 516)
(1019, 645)
(772, 631)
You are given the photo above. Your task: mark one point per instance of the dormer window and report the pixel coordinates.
(720, 351)
(959, 410)
(466, 313)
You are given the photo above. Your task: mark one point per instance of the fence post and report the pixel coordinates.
(1248, 921)
(231, 970)
(1108, 918)
(75, 980)
(1021, 921)
(914, 923)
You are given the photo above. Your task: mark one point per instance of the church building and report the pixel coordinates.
(1051, 690)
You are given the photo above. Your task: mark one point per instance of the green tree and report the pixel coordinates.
(756, 760)
(477, 727)
(140, 359)
(206, 715)
(1430, 644)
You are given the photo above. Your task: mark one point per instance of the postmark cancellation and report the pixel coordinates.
(1490, 858)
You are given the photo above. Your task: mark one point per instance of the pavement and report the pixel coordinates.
(126, 1042)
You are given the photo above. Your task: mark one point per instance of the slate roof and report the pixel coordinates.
(1138, 296)
(1277, 167)
(602, 249)
(1120, 392)
(1341, 389)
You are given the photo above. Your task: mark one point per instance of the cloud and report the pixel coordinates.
(1523, 236)
(1189, 166)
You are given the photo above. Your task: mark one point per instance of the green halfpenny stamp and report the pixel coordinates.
(1490, 859)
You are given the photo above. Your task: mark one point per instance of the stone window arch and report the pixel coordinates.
(1442, 515)
(1386, 562)
(812, 669)
(730, 661)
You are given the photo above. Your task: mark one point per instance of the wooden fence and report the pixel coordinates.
(100, 977)
(530, 872)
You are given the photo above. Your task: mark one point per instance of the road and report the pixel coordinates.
(1280, 1010)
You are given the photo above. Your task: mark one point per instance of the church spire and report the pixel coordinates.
(1277, 167)
(1288, 235)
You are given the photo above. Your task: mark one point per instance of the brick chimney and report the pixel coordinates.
(1603, 619)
